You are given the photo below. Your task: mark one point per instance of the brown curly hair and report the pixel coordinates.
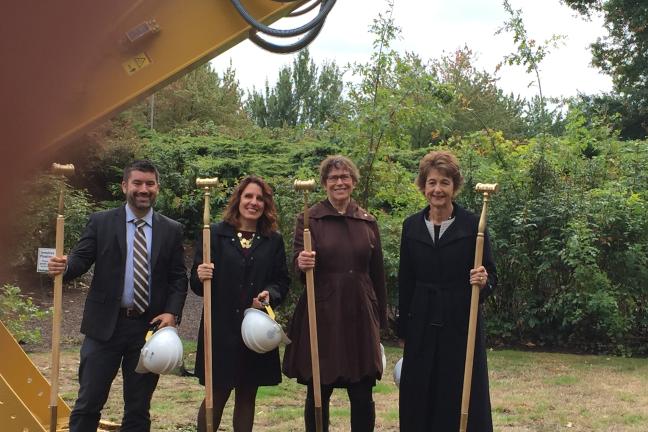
(267, 223)
(446, 163)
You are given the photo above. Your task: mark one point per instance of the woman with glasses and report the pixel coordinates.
(350, 298)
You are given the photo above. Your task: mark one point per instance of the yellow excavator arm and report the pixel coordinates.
(69, 64)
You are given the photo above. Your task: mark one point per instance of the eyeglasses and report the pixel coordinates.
(334, 178)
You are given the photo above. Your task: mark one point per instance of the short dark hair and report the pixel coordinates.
(267, 223)
(339, 162)
(143, 165)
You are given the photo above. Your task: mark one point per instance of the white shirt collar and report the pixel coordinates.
(444, 226)
(130, 216)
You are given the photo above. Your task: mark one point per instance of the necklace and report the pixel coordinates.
(431, 219)
(245, 243)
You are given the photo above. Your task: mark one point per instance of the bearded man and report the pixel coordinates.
(139, 279)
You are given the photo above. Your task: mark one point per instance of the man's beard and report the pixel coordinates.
(132, 200)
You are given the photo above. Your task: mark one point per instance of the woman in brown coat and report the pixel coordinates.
(350, 298)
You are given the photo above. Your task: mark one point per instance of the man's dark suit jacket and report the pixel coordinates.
(104, 243)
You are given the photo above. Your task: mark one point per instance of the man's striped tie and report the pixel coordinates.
(140, 268)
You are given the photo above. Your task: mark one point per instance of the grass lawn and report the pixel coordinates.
(529, 392)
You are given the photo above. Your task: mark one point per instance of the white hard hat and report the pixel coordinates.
(260, 332)
(397, 372)
(161, 353)
(384, 358)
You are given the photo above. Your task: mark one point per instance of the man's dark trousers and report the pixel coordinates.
(100, 362)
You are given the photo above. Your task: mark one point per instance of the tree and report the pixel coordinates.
(304, 95)
(623, 54)
(397, 103)
(529, 53)
(329, 104)
(199, 96)
(478, 103)
(282, 107)
(623, 114)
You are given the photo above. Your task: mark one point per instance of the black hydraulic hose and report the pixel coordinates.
(307, 9)
(326, 6)
(285, 49)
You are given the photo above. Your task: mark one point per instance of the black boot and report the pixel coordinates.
(309, 416)
(363, 417)
(201, 423)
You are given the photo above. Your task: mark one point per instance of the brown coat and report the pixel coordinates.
(350, 298)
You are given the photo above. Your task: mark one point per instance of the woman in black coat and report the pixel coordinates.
(248, 268)
(435, 277)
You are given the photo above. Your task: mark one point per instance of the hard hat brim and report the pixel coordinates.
(140, 368)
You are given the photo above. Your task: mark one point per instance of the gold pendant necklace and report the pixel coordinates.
(245, 243)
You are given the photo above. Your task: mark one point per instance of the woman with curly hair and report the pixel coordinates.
(248, 268)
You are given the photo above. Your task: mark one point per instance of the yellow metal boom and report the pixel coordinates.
(68, 64)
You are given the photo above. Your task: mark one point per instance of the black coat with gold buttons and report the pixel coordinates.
(239, 276)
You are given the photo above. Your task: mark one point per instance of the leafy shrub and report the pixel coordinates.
(35, 225)
(16, 310)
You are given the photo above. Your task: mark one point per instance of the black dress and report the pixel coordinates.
(239, 275)
(434, 305)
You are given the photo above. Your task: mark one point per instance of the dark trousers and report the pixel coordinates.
(100, 362)
(363, 411)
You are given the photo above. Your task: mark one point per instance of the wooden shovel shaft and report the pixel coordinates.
(56, 326)
(58, 300)
(207, 322)
(472, 323)
(209, 400)
(53, 418)
(312, 331)
(306, 186)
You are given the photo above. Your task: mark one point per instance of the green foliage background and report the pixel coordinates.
(569, 226)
